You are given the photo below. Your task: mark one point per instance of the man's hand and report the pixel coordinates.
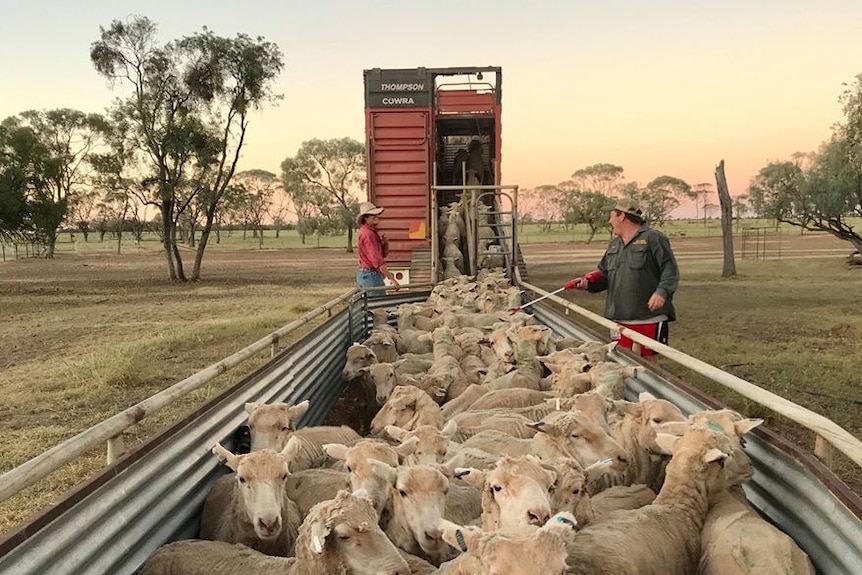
(577, 283)
(656, 301)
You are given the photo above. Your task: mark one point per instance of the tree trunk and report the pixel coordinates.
(726, 203)
(202, 243)
(350, 239)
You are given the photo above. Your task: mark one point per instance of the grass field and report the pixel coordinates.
(90, 333)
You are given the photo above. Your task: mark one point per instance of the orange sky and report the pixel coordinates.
(659, 87)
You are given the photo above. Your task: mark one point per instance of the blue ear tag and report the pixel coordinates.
(459, 537)
(714, 427)
(567, 521)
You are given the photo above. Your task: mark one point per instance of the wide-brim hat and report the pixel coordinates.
(629, 207)
(369, 209)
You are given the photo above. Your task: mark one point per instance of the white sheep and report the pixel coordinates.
(272, 425)
(339, 537)
(309, 487)
(662, 538)
(250, 506)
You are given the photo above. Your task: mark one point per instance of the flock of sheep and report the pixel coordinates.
(493, 448)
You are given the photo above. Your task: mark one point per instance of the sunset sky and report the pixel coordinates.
(656, 86)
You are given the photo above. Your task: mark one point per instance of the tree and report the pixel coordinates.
(544, 205)
(604, 179)
(327, 174)
(740, 207)
(820, 199)
(188, 115)
(66, 138)
(82, 210)
(22, 160)
(662, 196)
(258, 188)
(589, 208)
(699, 193)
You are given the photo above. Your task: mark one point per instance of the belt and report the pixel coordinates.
(368, 270)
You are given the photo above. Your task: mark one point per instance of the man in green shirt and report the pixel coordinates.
(640, 273)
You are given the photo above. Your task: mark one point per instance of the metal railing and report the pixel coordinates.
(828, 433)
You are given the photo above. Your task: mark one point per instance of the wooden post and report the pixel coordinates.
(729, 268)
(823, 450)
(116, 448)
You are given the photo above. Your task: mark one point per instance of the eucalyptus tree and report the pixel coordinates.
(258, 188)
(189, 110)
(21, 169)
(327, 174)
(66, 138)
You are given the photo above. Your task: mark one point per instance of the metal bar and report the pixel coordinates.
(40, 466)
(829, 430)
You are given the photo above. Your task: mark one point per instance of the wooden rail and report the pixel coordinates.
(110, 430)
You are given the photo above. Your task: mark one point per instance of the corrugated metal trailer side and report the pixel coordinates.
(110, 525)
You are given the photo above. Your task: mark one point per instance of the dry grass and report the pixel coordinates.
(88, 335)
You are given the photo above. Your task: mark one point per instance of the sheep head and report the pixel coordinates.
(271, 425)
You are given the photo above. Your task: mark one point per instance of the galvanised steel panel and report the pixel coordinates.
(781, 489)
(157, 497)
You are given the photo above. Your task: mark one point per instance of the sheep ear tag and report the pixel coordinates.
(459, 537)
(316, 544)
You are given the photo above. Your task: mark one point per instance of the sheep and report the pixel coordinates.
(358, 356)
(515, 493)
(537, 552)
(432, 443)
(415, 506)
(383, 345)
(566, 434)
(339, 537)
(662, 538)
(385, 377)
(407, 407)
(634, 427)
(470, 423)
(735, 539)
(249, 506)
(272, 425)
(361, 474)
(309, 487)
(471, 394)
(516, 397)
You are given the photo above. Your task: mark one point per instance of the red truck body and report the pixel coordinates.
(416, 122)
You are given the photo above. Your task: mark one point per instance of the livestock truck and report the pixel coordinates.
(433, 138)
(154, 493)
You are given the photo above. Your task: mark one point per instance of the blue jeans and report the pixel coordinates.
(370, 278)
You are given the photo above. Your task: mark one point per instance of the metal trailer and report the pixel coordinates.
(154, 494)
(420, 124)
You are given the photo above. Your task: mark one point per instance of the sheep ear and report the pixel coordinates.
(746, 425)
(645, 396)
(291, 450)
(461, 538)
(633, 409)
(298, 410)
(250, 407)
(396, 432)
(666, 442)
(407, 447)
(537, 425)
(674, 427)
(225, 456)
(471, 476)
(714, 455)
(384, 471)
(335, 450)
(319, 532)
(450, 429)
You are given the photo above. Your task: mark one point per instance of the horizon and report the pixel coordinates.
(664, 89)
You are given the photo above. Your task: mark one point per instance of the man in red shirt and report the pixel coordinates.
(372, 248)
